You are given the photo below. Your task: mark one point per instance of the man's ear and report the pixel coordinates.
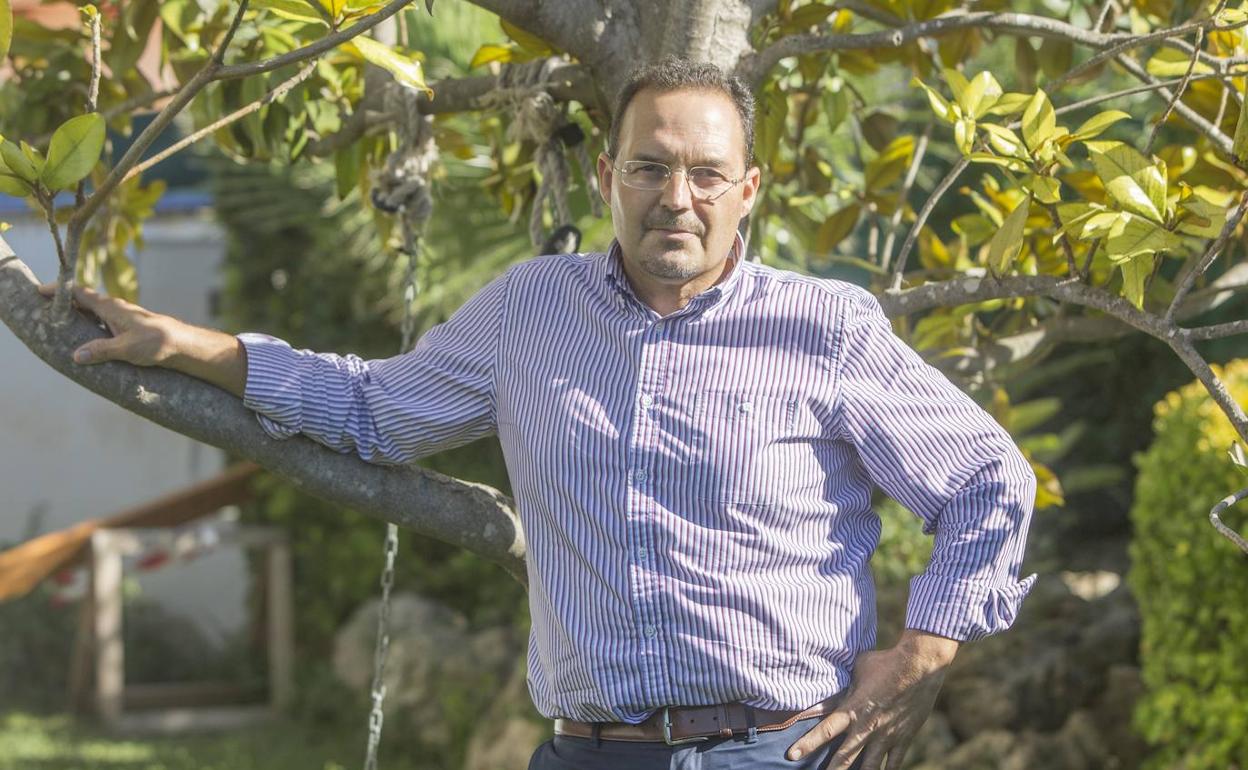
(749, 189)
(606, 172)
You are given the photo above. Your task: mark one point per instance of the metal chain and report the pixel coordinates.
(411, 249)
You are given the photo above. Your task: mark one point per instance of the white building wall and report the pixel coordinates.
(73, 455)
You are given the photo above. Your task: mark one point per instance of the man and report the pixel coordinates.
(692, 439)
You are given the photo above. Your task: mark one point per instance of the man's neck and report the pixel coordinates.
(667, 298)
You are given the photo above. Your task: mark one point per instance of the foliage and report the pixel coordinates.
(35, 650)
(1191, 586)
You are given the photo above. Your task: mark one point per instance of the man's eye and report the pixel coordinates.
(703, 174)
(650, 169)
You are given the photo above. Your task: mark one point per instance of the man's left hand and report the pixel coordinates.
(889, 699)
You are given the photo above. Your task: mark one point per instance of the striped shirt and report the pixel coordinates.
(694, 489)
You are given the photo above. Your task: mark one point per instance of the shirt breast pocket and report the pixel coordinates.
(739, 450)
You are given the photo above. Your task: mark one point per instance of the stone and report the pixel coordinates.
(439, 677)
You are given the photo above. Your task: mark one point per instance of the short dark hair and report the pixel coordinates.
(673, 73)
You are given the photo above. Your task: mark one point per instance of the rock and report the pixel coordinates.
(439, 677)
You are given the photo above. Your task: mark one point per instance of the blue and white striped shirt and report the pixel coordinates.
(695, 489)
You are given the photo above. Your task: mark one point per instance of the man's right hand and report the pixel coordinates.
(144, 338)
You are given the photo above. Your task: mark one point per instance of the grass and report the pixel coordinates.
(56, 742)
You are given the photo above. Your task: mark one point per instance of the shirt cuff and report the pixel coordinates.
(272, 389)
(961, 609)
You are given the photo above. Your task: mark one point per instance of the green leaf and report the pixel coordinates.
(939, 105)
(1132, 236)
(1005, 244)
(957, 83)
(1045, 188)
(1135, 272)
(347, 169)
(1004, 141)
(890, 164)
(74, 150)
(1172, 63)
(11, 184)
(17, 162)
(1010, 104)
(34, 156)
(1237, 454)
(293, 10)
(836, 104)
(1130, 179)
(1239, 147)
(836, 227)
(6, 28)
(1055, 56)
(491, 52)
(1039, 120)
(119, 276)
(405, 69)
(1201, 217)
(964, 134)
(1013, 164)
(1097, 124)
(531, 44)
(980, 94)
(773, 108)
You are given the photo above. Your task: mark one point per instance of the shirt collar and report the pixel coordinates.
(617, 280)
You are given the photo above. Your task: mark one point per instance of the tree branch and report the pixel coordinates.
(924, 213)
(471, 516)
(1015, 23)
(1210, 254)
(1219, 139)
(886, 254)
(1229, 533)
(312, 50)
(277, 93)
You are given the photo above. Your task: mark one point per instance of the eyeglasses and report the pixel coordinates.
(705, 183)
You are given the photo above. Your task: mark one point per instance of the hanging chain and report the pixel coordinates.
(411, 249)
(402, 189)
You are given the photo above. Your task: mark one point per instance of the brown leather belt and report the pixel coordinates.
(675, 725)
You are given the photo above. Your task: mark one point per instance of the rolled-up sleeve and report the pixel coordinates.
(439, 395)
(933, 449)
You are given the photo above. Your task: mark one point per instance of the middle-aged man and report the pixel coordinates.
(693, 439)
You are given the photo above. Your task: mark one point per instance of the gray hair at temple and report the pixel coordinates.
(673, 73)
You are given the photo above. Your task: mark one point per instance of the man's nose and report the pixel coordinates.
(677, 196)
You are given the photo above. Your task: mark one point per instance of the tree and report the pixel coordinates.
(1059, 245)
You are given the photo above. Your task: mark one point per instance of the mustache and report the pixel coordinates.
(674, 223)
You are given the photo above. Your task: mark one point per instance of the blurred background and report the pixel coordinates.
(273, 248)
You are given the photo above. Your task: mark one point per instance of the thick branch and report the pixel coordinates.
(1017, 23)
(472, 516)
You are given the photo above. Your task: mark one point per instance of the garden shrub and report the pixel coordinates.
(1191, 585)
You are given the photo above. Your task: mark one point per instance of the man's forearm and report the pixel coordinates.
(208, 354)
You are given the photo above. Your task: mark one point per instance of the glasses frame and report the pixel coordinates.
(671, 172)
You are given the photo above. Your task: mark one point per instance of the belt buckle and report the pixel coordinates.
(667, 731)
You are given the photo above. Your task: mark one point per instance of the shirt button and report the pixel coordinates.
(651, 631)
(745, 407)
(641, 553)
(639, 474)
(647, 400)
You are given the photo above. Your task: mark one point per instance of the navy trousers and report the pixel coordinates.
(735, 753)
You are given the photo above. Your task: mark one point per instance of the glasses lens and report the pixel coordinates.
(645, 175)
(708, 181)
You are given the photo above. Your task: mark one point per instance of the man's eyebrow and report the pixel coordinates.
(712, 161)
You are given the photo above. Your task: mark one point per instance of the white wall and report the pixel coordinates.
(77, 456)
